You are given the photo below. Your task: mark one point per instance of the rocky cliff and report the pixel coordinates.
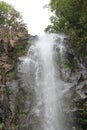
(75, 97)
(12, 46)
(14, 102)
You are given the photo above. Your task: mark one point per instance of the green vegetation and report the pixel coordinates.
(1, 125)
(10, 18)
(18, 50)
(13, 32)
(81, 115)
(10, 75)
(70, 18)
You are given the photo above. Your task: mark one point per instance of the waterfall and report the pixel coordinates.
(42, 75)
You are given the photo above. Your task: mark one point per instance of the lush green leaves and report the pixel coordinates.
(10, 18)
(70, 18)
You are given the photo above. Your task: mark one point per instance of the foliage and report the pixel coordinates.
(18, 51)
(81, 115)
(10, 18)
(11, 75)
(1, 126)
(70, 18)
(13, 33)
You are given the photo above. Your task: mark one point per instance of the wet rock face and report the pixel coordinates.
(11, 47)
(13, 102)
(85, 58)
(81, 89)
(69, 53)
(75, 101)
(20, 104)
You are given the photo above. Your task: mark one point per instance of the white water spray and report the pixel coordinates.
(41, 69)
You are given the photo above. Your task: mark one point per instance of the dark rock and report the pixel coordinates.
(81, 89)
(84, 74)
(74, 100)
(85, 60)
(69, 56)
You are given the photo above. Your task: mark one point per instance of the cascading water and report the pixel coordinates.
(43, 77)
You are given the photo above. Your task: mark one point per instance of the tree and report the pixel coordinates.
(70, 18)
(10, 18)
(12, 27)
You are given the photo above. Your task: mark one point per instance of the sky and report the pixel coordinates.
(34, 15)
